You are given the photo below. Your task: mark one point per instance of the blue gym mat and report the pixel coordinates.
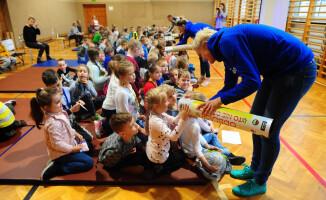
(75, 49)
(54, 63)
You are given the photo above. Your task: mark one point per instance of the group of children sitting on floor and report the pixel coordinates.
(146, 132)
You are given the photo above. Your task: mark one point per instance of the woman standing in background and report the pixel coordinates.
(220, 19)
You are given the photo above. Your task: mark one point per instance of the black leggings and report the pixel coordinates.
(204, 68)
(105, 124)
(78, 38)
(92, 105)
(43, 46)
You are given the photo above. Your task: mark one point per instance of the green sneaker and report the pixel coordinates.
(248, 189)
(98, 116)
(244, 174)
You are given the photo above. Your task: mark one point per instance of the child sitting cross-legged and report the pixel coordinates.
(192, 141)
(64, 72)
(51, 79)
(83, 89)
(123, 149)
(96, 71)
(158, 145)
(8, 123)
(61, 140)
(125, 97)
(82, 49)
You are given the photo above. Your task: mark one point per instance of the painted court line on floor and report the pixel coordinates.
(219, 189)
(19, 95)
(17, 141)
(31, 192)
(308, 167)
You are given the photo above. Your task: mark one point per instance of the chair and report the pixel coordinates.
(22, 42)
(56, 37)
(10, 46)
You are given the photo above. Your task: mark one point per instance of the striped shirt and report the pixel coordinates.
(6, 116)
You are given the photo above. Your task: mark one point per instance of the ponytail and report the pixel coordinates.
(154, 96)
(146, 78)
(43, 98)
(36, 112)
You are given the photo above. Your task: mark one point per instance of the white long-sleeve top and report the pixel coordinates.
(191, 139)
(203, 124)
(158, 144)
(59, 135)
(125, 101)
(109, 102)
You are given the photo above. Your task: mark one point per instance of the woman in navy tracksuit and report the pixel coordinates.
(189, 30)
(288, 70)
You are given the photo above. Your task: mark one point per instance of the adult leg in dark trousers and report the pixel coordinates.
(78, 38)
(41, 46)
(204, 71)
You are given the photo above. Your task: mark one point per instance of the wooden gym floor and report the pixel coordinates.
(299, 172)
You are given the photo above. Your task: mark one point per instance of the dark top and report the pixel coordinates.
(79, 28)
(142, 63)
(252, 50)
(30, 33)
(66, 74)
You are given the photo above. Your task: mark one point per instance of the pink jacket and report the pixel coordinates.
(59, 135)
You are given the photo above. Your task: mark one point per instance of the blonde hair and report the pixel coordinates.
(133, 44)
(87, 68)
(182, 62)
(112, 65)
(184, 73)
(173, 69)
(152, 57)
(123, 68)
(202, 36)
(168, 89)
(160, 61)
(31, 17)
(154, 96)
(197, 96)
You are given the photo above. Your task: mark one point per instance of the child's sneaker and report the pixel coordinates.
(96, 117)
(236, 160)
(12, 102)
(48, 172)
(248, 189)
(245, 173)
(22, 123)
(98, 128)
(2, 71)
(10, 68)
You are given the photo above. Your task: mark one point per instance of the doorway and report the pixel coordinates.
(99, 10)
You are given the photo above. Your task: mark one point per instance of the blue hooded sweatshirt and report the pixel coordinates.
(252, 50)
(191, 30)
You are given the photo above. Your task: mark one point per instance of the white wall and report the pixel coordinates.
(274, 13)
